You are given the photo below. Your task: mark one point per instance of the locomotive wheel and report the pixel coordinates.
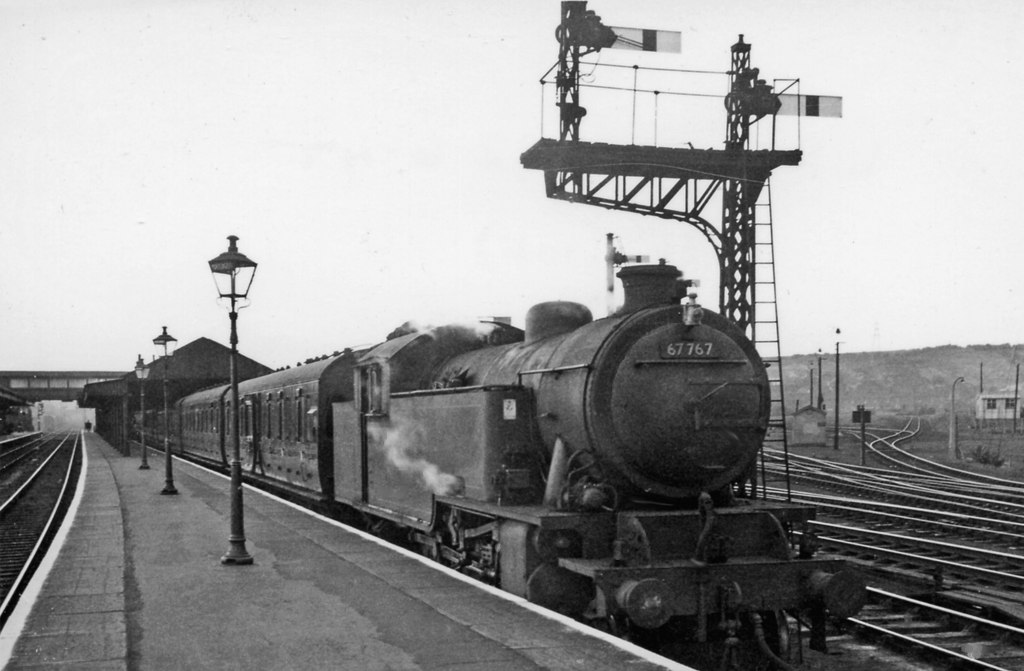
(560, 590)
(776, 633)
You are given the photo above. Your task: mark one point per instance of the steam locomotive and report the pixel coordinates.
(595, 467)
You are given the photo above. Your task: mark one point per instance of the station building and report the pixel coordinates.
(197, 365)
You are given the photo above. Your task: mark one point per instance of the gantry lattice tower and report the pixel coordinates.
(680, 183)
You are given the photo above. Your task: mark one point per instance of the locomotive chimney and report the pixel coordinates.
(650, 285)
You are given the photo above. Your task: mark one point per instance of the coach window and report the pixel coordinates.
(311, 416)
(372, 390)
(287, 418)
(272, 416)
(300, 425)
(267, 412)
(280, 415)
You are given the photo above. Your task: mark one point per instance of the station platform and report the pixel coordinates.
(138, 584)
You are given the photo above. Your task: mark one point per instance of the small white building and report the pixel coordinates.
(809, 425)
(997, 406)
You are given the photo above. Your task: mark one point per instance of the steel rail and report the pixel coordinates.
(1002, 627)
(892, 487)
(10, 448)
(31, 479)
(826, 505)
(873, 507)
(960, 473)
(28, 566)
(954, 548)
(954, 567)
(924, 644)
(998, 627)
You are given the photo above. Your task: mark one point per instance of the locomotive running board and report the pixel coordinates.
(559, 519)
(534, 515)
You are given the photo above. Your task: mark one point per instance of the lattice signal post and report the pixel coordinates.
(672, 183)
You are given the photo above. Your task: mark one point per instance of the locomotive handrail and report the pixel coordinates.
(453, 390)
(697, 361)
(542, 371)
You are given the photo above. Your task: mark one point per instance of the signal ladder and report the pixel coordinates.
(765, 329)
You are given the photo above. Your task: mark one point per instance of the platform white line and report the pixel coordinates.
(19, 616)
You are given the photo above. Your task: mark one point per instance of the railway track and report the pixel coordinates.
(14, 452)
(948, 637)
(31, 513)
(953, 537)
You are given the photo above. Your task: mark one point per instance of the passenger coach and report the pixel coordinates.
(285, 421)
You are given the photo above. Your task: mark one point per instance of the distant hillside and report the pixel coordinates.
(915, 381)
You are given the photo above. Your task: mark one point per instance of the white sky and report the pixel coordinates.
(366, 153)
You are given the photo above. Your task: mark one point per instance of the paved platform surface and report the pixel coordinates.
(138, 584)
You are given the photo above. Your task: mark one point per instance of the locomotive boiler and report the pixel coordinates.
(595, 467)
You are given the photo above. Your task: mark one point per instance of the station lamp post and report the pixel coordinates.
(836, 444)
(953, 448)
(166, 342)
(821, 390)
(141, 372)
(233, 273)
(1016, 399)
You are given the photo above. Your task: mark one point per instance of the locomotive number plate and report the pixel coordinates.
(688, 350)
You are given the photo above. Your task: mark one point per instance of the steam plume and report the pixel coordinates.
(399, 442)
